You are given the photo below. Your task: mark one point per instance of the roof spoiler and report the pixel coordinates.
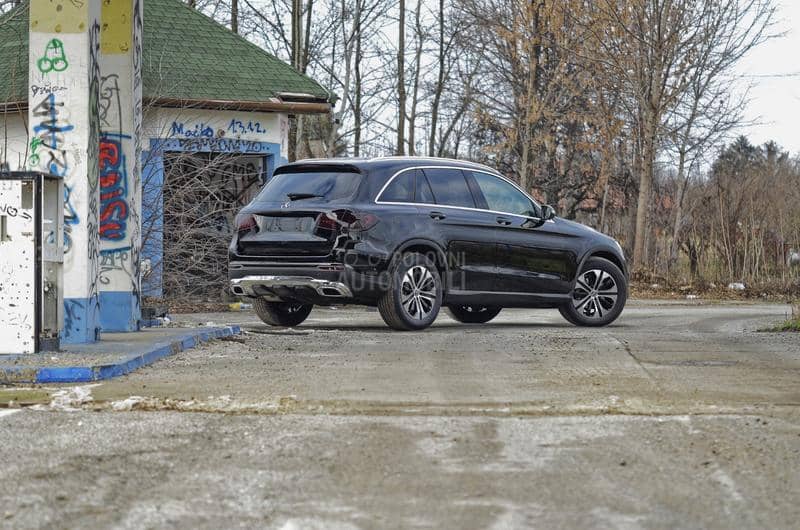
(305, 167)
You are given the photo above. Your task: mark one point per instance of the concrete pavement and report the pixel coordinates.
(678, 416)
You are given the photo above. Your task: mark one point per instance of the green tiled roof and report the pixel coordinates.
(186, 55)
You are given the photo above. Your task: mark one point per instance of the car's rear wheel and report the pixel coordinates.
(473, 314)
(599, 294)
(414, 297)
(284, 314)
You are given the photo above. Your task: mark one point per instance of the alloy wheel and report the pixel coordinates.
(595, 293)
(418, 292)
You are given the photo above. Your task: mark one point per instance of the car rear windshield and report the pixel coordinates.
(323, 186)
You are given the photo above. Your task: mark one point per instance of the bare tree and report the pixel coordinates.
(710, 107)
(653, 47)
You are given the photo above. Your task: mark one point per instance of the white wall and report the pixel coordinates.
(201, 123)
(14, 140)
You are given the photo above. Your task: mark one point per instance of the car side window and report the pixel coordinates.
(450, 187)
(501, 196)
(401, 189)
(423, 193)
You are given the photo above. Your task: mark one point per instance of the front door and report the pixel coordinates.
(531, 256)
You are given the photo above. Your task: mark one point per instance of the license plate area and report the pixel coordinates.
(285, 225)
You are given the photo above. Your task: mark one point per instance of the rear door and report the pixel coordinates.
(532, 258)
(469, 233)
(293, 215)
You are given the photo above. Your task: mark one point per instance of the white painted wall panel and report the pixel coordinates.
(17, 268)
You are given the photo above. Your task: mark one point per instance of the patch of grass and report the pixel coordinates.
(23, 396)
(789, 325)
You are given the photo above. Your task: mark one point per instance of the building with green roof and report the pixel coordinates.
(216, 111)
(189, 60)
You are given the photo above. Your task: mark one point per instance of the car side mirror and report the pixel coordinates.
(548, 212)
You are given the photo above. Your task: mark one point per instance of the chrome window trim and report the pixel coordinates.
(491, 173)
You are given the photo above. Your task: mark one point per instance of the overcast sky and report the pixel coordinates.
(776, 100)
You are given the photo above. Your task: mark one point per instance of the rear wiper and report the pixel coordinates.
(298, 196)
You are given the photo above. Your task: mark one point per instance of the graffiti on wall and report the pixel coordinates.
(50, 129)
(198, 130)
(46, 88)
(113, 176)
(109, 104)
(222, 145)
(119, 153)
(113, 189)
(49, 133)
(64, 133)
(54, 59)
(114, 261)
(202, 129)
(136, 174)
(11, 211)
(92, 169)
(244, 127)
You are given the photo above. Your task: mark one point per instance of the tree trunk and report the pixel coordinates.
(401, 81)
(645, 186)
(235, 16)
(307, 38)
(297, 31)
(683, 182)
(437, 94)
(357, 81)
(348, 61)
(412, 118)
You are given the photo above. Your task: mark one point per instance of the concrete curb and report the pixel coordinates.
(127, 364)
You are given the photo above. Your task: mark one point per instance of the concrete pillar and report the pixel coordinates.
(63, 85)
(120, 108)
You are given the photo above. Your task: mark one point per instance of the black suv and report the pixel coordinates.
(409, 235)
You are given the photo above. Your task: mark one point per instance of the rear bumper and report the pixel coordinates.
(318, 283)
(271, 287)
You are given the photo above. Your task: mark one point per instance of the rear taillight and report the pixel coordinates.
(326, 225)
(356, 221)
(343, 222)
(364, 221)
(245, 223)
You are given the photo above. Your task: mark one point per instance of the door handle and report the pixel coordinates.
(503, 221)
(438, 215)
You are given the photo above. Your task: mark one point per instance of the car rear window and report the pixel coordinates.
(328, 185)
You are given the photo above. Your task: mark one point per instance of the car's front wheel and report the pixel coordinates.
(414, 296)
(286, 314)
(599, 294)
(473, 314)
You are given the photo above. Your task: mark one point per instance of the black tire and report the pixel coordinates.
(285, 314)
(400, 317)
(473, 314)
(599, 304)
